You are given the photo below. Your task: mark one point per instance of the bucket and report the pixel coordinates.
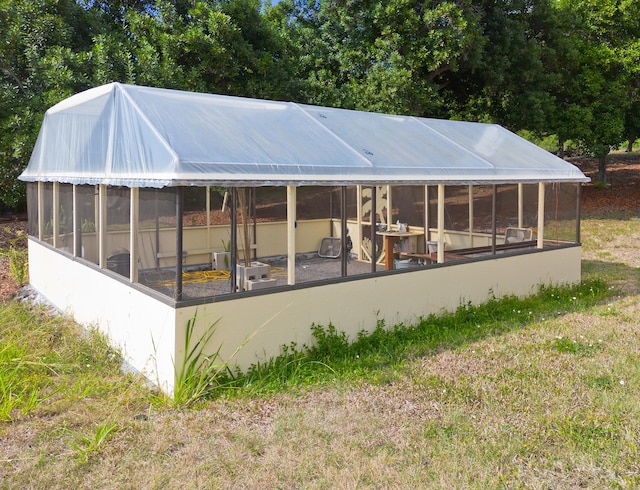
(119, 263)
(403, 263)
(432, 247)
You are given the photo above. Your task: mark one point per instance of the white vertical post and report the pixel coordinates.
(56, 213)
(40, 211)
(520, 206)
(291, 234)
(470, 215)
(76, 218)
(208, 205)
(133, 237)
(427, 224)
(440, 223)
(389, 209)
(102, 228)
(96, 217)
(359, 218)
(540, 243)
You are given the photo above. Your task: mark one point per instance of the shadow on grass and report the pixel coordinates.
(380, 356)
(622, 276)
(614, 214)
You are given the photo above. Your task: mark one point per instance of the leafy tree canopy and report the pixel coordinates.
(564, 67)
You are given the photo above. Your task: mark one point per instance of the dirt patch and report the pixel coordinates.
(622, 192)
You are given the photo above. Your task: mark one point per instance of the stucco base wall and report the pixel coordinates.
(253, 329)
(142, 327)
(259, 326)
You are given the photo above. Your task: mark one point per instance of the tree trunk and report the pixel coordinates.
(602, 169)
(560, 146)
(630, 145)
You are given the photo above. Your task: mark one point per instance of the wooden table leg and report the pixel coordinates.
(389, 241)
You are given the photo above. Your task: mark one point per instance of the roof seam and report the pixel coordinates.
(153, 128)
(334, 135)
(453, 142)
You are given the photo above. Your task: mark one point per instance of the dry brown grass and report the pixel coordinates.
(552, 405)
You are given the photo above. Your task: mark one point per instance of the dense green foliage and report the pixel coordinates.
(570, 68)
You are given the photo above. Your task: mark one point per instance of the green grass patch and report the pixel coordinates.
(379, 356)
(17, 257)
(577, 347)
(45, 357)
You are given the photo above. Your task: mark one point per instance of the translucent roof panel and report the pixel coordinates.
(220, 130)
(496, 144)
(81, 137)
(149, 137)
(399, 141)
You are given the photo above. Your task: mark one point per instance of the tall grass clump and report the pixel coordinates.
(87, 446)
(17, 257)
(49, 358)
(199, 375)
(378, 356)
(23, 380)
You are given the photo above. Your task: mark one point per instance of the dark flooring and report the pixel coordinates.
(204, 283)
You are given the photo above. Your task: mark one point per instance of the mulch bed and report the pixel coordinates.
(623, 184)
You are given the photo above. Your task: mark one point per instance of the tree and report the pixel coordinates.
(506, 82)
(632, 125)
(391, 56)
(52, 49)
(42, 60)
(594, 74)
(218, 47)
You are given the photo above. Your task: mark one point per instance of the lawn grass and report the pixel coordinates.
(540, 393)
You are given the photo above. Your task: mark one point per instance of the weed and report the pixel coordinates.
(199, 374)
(587, 431)
(600, 184)
(329, 342)
(23, 385)
(567, 346)
(89, 445)
(45, 358)
(600, 382)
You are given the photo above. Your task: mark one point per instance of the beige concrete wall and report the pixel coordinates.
(463, 239)
(117, 241)
(260, 325)
(140, 326)
(271, 237)
(253, 329)
(200, 242)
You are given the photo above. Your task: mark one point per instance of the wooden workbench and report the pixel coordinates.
(390, 239)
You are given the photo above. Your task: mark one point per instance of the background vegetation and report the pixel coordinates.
(567, 68)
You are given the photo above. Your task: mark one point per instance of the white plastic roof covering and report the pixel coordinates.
(148, 137)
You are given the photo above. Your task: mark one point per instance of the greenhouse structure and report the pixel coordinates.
(153, 209)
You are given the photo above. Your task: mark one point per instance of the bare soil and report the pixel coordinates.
(622, 194)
